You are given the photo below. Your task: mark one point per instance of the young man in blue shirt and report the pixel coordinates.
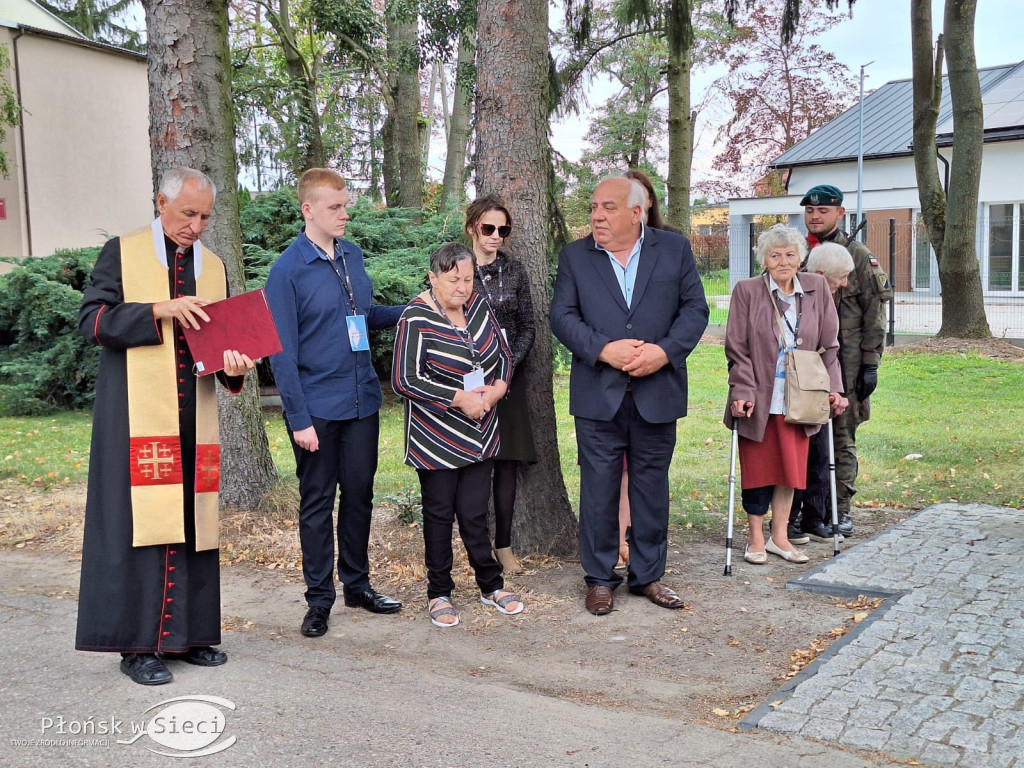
(322, 302)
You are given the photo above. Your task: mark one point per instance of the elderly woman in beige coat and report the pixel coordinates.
(773, 453)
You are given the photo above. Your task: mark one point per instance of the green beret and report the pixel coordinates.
(823, 194)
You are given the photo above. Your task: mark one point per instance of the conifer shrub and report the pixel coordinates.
(45, 364)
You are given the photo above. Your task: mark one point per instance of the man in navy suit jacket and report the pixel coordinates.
(628, 303)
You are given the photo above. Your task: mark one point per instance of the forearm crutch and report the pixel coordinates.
(832, 484)
(732, 496)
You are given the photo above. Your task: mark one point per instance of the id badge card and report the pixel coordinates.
(473, 379)
(358, 337)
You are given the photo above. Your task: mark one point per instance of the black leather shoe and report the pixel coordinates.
(145, 669)
(846, 525)
(200, 655)
(821, 532)
(372, 601)
(315, 622)
(795, 535)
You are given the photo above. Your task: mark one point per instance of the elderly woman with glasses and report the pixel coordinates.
(503, 281)
(452, 366)
(768, 315)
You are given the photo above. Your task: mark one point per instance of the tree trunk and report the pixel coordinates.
(302, 109)
(951, 221)
(390, 166)
(680, 127)
(429, 122)
(404, 117)
(512, 161)
(454, 185)
(963, 302)
(375, 169)
(191, 124)
(927, 87)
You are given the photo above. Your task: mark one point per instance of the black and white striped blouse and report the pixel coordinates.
(431, 358)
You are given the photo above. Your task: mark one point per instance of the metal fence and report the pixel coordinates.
(725, 254)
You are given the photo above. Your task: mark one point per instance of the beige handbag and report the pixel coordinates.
(807, 388)
(807, 382)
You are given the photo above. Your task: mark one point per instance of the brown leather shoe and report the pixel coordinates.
(600, 600)
(661, 595)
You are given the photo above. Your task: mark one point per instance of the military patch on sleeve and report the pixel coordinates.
(874, 262)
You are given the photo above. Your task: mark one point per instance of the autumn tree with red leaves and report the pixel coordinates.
(780, 92)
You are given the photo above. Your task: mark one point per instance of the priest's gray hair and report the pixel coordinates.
(780, 236)
(831, 259)
(637, 195)
(174, 180)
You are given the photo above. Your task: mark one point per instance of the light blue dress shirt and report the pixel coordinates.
(626, 275)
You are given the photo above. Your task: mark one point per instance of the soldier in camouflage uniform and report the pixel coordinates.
(860, 304)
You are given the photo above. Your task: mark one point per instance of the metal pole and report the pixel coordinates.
(750, 255)
(890, 337)
(732, 496)
(860, 151)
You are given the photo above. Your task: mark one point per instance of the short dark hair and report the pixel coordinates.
(447, 257)
(476, 210)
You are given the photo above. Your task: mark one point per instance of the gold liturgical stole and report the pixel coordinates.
(155, 452)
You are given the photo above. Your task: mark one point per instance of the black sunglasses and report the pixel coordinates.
(488, 229)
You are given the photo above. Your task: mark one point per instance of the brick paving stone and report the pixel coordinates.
(905, 744)
(939, 676)
(997, 727)
(785, 722)
(941, 755)
(822, 728)
(977, 741)
(874, 714)
(866, 738)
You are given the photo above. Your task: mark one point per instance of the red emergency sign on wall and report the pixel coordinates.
(3, 208)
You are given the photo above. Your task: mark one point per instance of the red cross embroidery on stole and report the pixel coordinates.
(155, 460)
(207, 468)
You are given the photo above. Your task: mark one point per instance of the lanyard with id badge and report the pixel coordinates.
(475, 377)
(358, 332)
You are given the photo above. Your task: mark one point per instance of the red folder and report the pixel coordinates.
(241, 322)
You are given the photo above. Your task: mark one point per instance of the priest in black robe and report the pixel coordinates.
(150, 581)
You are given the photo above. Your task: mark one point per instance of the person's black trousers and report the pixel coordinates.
(345, 465)
(648, 449)
(457, 494)
(813, 504)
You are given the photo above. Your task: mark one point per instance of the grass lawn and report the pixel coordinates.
(959, 412)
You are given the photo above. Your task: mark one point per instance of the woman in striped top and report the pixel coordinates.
(452, 366)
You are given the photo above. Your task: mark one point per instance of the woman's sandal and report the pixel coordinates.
(442, 606)
(499, 598)
(623, 555)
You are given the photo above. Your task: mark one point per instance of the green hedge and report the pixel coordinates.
(46, 366)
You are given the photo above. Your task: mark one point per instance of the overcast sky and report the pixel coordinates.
(879, 31)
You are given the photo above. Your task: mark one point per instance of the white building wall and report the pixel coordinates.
(86, 155)
(1002, 173)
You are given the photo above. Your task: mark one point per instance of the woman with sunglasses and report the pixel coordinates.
(504, 283)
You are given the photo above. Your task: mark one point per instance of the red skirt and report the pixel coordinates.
(779, 459)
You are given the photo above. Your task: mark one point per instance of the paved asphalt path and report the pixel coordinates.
(295, 706)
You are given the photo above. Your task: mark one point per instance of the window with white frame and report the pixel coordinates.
(1005, 248)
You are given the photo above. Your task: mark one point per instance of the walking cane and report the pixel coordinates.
(832, 482)
(732, 497)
